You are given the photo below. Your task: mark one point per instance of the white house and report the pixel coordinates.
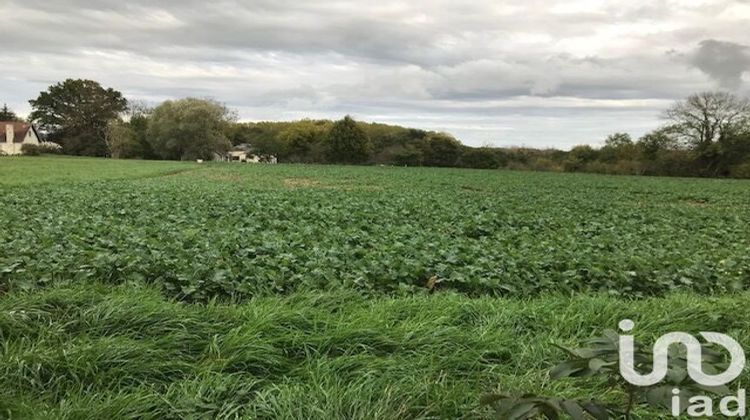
(243, 156)
(15, 134)
(246, 153)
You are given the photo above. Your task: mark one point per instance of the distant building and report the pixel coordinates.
(246, 153)
(14, 134)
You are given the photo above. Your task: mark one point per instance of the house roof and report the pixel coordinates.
(19, 129)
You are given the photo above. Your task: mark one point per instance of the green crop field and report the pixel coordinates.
(135, 289)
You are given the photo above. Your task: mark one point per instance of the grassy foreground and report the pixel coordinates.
(176, 290)
(94, 351)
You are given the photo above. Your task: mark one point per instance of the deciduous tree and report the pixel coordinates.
(123, 141)
(189, 129)
(701, 119)
(348, 142)
(655, 142)
(441, 149)
(76, 114)
(618, 140)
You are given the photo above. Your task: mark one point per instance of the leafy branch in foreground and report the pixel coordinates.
(600, 358)
(531, 406)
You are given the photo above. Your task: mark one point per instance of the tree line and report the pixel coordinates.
(706, 134)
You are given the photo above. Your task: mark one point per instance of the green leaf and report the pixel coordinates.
(568, 368)
(573, 409)
(596, 410)
(659, 396)
(521, 411)
(489, 399)
(597, 364)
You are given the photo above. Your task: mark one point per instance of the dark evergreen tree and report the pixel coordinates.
(6, 114)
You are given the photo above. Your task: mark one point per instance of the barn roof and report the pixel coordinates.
(19, 129)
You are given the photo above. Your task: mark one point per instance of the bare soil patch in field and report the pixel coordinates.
(303, 183)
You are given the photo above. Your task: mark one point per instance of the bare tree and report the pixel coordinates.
(702, 118)
(138, 109)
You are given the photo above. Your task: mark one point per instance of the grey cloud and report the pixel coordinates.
(538, 71)
(723, 61)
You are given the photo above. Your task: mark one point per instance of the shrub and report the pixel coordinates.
(45, 148)
(740, 171)
(544, 164)
(627, 167)
(401, 155)
(30, 150)
(50, 148)
(481, 158)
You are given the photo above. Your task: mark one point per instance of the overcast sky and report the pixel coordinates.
(532, 72)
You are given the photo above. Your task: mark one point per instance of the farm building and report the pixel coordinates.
(14, 134)
(246, 153)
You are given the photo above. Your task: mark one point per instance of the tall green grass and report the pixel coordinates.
(91, 350)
